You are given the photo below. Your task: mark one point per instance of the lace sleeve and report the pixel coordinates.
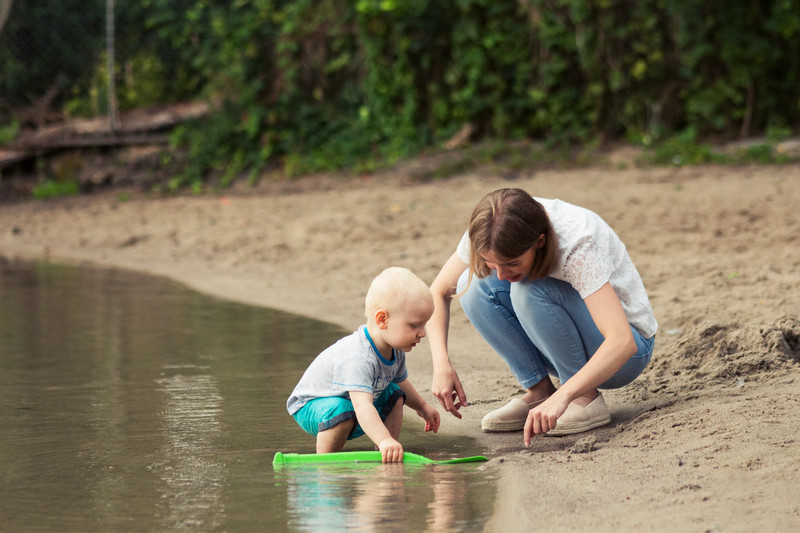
(587, 267)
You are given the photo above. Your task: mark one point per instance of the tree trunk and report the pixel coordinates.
(5, 10)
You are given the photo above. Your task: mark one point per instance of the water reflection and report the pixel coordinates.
(373, 497)
(129, 403)
(191, 479)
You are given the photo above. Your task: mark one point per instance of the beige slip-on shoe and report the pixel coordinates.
(577, 419)
(510, 417)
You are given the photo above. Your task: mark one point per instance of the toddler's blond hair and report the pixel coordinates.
(393, 289)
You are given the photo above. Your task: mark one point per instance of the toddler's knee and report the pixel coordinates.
(345, 427)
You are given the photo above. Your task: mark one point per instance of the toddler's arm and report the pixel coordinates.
(370, 421)
(415, 401)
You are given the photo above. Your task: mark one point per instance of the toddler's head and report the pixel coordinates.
(395, 289)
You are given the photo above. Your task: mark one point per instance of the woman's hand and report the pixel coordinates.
(614, 351)
(448, 390)
(544, 416)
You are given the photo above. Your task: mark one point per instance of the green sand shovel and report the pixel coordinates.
(363, 457)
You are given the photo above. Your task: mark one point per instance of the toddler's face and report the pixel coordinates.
(407, 327)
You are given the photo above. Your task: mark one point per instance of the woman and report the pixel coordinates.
(552, 289)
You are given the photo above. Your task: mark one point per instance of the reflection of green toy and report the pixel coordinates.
(363, 457)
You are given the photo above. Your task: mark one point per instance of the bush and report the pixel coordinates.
(325, 84)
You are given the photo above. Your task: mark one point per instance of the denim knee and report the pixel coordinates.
(479, 292)
(487, 304)
(547, 290)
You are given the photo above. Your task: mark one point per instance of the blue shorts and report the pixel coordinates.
(324, 413)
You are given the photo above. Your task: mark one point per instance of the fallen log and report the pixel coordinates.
(137, 127)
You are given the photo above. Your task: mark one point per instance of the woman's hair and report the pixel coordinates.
(508, 223)
(393, 289)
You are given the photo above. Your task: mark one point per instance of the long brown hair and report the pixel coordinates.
(508, 223)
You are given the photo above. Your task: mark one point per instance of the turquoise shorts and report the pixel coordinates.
(324, 413)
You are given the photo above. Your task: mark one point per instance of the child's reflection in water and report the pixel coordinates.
(377, 497)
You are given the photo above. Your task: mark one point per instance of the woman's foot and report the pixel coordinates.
(579, 418)
(510, 417)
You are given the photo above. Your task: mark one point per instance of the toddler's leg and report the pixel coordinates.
(394, 422)
(333, 439)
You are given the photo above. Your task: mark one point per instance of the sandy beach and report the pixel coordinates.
(707, 439)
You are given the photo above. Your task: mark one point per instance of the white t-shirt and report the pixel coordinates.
(350, 364)
(589, 255)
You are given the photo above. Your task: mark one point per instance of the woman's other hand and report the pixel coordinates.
(448, 390)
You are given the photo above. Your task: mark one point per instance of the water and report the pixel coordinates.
(130, 403)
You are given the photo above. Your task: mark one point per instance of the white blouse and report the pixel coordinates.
(589, 255)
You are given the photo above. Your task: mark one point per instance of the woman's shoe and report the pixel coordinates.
(510, 417)
(577, 419)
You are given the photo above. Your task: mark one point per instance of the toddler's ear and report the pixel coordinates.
(382, 318)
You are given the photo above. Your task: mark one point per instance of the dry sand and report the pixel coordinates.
(707, 439)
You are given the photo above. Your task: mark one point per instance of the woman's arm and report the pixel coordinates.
(446, 385)
(616, 349)
(618, 346)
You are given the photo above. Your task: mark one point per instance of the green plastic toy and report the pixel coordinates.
(363, 457)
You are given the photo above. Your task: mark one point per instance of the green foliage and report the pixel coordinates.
(61, 46)
(8, 132)
(52, 189)
(284, 77)
(141, 83)
(324, 84)
(340, 83)
(46, 46)
(685, 149)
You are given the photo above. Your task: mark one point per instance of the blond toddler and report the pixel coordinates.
(359, 384)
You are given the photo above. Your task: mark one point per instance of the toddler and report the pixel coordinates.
(359, 384)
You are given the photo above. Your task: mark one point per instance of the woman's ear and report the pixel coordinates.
(540, 241)
(382, 318)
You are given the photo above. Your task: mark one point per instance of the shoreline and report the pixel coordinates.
(718, 249)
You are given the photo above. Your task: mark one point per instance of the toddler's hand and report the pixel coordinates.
(391, 451)
(431, 417)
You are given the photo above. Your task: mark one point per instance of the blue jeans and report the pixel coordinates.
(542, 327)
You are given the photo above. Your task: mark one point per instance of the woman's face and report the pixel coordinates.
(514, 269)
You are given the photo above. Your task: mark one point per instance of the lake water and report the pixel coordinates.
(131, 403)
